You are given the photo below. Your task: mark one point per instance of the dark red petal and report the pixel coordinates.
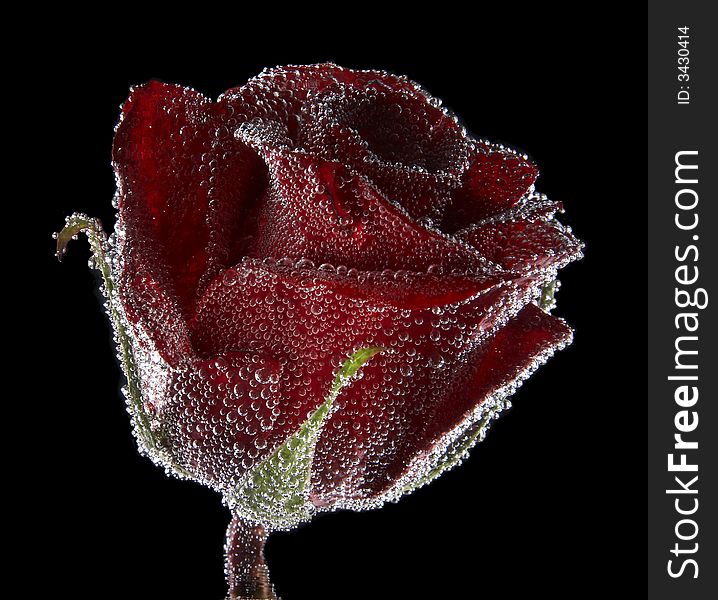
(222, 415)
(237, 181)
(497, 178)
(412, 151)
(390, 128)
(421, 193)
(401, 289)
(279, 94)
(154, 317)
(524, 246)
(275, 305)
(405, 403)
(377, 124)
(162, 206)
(185, 187)
(318, 210)
(307, 321)
(507, 356)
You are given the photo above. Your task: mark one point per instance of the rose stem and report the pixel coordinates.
(247, 574)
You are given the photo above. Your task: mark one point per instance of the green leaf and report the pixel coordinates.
(276, 492)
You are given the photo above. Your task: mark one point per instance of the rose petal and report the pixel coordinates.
(401, 289)
(401, 409)
(320, 211)
(497, 178)
(305, 321)
(162, 206)
(223, 415)
(279, 94)
(412, 151)
(421, 193)
(154, 318)
(186, 187)
(278, 306)
(392, 128)
(377, 124)
(522, 245)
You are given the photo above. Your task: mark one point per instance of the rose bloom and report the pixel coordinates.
(265, 238)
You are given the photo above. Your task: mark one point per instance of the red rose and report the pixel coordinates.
(265, 238)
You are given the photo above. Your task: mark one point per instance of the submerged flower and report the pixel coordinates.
(323, 289)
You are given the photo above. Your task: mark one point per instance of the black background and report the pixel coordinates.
(548, 503)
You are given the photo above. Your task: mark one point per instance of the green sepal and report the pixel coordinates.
(455, 453)
(101, 259)
(547, 301)
(276, 492)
